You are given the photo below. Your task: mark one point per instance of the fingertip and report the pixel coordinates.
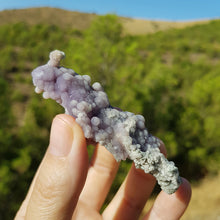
(184, 192)
(65, 131)
(61, 135)
(67, 119)
(171, 206)
(71, 122)
(79, 151)
(162, 148)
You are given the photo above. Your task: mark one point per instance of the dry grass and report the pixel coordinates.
(205, 202)
(140, 26)
(80, 21)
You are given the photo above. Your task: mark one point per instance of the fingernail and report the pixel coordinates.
(61, 137)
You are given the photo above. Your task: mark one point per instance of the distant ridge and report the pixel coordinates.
(81, 21)
(59, 17)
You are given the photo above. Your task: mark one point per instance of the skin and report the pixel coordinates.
(69, 186)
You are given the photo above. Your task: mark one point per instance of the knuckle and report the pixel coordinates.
(51, 183)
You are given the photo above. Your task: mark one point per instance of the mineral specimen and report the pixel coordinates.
(122, 133)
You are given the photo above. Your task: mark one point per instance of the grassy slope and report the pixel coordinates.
(62, 18)
(80, 21)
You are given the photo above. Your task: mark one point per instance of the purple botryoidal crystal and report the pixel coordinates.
(123, 133)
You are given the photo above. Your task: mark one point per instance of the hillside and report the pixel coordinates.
(171, 77)
(81, 21)
(51, 16)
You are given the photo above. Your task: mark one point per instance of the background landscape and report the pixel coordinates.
(167, 71)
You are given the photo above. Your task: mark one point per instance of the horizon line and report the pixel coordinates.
(130, 17)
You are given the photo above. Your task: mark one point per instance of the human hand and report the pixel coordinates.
(68, 186)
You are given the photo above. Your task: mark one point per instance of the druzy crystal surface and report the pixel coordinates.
(123, 133)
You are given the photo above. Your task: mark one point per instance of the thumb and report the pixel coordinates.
(62, 173)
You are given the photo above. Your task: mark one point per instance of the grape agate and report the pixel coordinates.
(122, 133)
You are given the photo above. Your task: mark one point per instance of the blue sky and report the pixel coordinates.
(149, 9)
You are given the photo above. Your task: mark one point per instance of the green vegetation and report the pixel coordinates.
(171, 77)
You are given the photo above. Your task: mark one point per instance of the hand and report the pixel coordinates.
(67, 186)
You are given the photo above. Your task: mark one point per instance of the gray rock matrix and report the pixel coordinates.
(122, 133)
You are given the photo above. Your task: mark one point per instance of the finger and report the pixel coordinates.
(133, 194)
(22, 210)
(162, 148)
(20, 215)
(101, 173)
(172, 206)
(62, 173)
